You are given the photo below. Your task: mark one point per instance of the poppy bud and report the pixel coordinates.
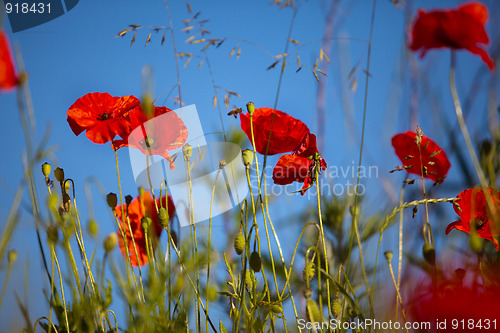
(66, 202)
(146, 222)
(250, 108)
(276, 308)
(52, 235)
(12, 256)
(222, 164)
(388, 255)
(59, 174)
(46, 167)
(92, 228)
(163, 217)
(128, 199)
(110, 242)
(312, 311)
(239, 243)
(248, 279)
(187, 150)
(309, 271)
(247, 156)
(336, 308)
(255, 261)
(112, 200)
(429, 253)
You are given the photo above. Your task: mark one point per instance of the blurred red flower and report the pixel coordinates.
(102, 116)
(135, 214)
(287, 132)
(461, 28)
(434, 161)
(474, 212)
(155, 135)
(8, 75)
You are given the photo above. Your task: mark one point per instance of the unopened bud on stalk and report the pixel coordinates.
(429, 253)
(163, 217)
(146, 222)
(67, 185)
(52, 235)
(388, 255)
(110, 242)
(255, 261)
(46, 167)
(59, 174)
(187, 150)
(12, 256)
(112, 200)
(250, 108)
(239, 243)
(247, 156)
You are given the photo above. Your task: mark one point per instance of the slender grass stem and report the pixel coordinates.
(53, 252)
(397, 293)
(4, 288)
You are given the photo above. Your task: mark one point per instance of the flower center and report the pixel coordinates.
(104, 116)
(478, 222)
(148, 142)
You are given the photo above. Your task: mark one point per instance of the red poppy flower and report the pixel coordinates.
(8, 75)
(435, 164)
(296, 168)
(474, 212)
(287, 132)
(102, 116)
(464, 308)
(461, 28)
(135, 214)
(162, 132)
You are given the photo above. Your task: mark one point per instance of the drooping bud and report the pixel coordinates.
(247, 156)
(11, 256)
(429, 253)
(92, 228)
(309, 271)
(187, 150)
(46, 167)
(163, 217)
(255, 261)
(146, 223)
(239, 243)
(66, 202)
(52, 235)
(59, 174)
(112, 200)
(67, 185)
(110, 242)
(250, 108)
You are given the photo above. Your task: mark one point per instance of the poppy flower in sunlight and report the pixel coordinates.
(293, 168)
(155, 135)
(474, 213)
(461, 28)
(8, 75)
(287, 132)
(102, 116)
(434, 163)
(135, 214)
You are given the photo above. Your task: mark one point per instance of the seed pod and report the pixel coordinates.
(146, 222)
(12, 256)
(46, 167)
(255, 261)
(59, 174)
(112, 200)
(336, 308)
(313, 312)
(163, 217)
(187, 150)
(429, 253)
(276, 308)
(239, 243)
(309, 271)
(110, 242)
(250, 108)
(247, 156)
(128, 199)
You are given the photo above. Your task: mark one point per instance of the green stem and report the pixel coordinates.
(5, 283)
(53, 252)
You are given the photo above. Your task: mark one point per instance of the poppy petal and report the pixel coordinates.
(8, 75)
(291, 168)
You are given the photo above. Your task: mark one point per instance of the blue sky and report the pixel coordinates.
(78, 53)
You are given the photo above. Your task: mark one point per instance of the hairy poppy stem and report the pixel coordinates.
(54, 256)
